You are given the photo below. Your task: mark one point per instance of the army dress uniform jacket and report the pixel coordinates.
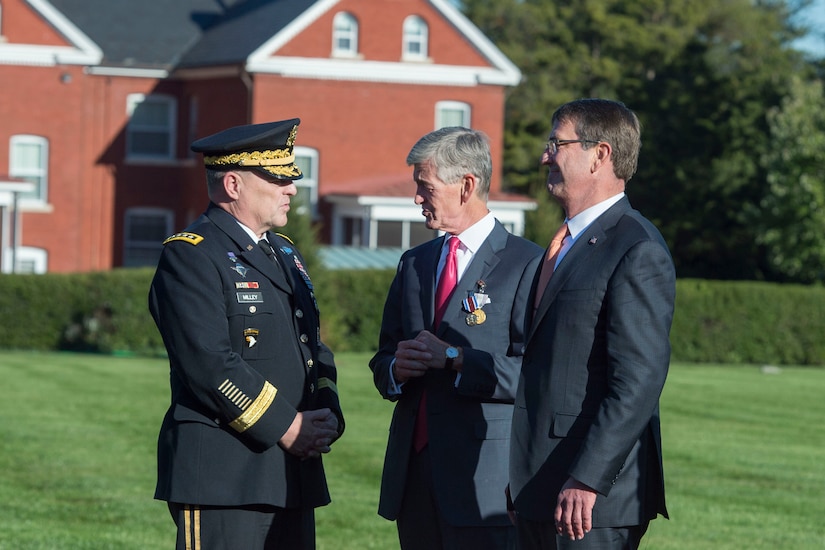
(245, 354)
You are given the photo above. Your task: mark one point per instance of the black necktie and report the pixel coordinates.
(268, 250)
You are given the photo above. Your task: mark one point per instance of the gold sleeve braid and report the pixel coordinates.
(257, 409)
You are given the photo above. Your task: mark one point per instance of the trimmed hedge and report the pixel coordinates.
(715, 321)
(748, 322)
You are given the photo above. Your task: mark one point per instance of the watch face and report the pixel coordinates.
(451, 353)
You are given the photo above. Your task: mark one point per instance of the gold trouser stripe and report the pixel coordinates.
(256, 410)
(327, 383)
(192, 527)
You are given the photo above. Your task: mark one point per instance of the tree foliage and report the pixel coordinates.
(702, 75)
(791, 216)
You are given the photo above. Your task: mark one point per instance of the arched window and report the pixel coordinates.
(344, 35)
(415, 37)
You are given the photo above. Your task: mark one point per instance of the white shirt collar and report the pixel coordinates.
(474, 236)
(583, 219)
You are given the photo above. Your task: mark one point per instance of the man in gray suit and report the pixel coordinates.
(452, 371)
(586, 459)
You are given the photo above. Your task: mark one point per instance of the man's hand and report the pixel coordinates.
(411, 358)
(437, 349)
(574, 510)
(311, 433)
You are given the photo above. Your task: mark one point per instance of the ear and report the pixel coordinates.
(469, 185)
(232, 183)
(602, 157)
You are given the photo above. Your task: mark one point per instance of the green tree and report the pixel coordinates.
(791, 216)
(701, 75)
(304, 234)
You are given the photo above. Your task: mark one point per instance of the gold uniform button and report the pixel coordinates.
(310, 363)
(304, 338)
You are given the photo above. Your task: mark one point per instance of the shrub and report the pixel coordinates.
(106, 312)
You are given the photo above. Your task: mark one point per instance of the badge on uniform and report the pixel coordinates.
(473, 304)
(250, 336)
(236, 267)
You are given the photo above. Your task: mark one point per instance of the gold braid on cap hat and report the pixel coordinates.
(275, 157)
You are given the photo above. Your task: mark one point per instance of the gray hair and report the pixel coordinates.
(609, 121)
(455, 151)
(214, 181)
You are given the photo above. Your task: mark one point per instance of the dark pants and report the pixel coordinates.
(247, 527)
(541, 535)
(422, 527)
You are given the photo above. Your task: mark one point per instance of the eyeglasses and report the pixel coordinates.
(553, 144)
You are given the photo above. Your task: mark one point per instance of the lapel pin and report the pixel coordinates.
(592, 240)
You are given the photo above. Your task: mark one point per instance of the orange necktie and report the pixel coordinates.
(550, 262)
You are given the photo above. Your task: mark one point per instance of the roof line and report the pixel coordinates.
(382, 71)
(490, 50)
(503, 71)
(293, 29)
(92, 54)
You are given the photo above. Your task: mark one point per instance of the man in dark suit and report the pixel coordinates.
(586, 460)
(254, 402)
(453, 371)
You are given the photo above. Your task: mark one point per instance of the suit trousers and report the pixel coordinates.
(541, 535)
(422, 527)
(247, 527)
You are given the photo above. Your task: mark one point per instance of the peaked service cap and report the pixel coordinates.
(266, 147)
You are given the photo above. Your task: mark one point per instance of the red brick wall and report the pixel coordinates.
(367, 129)
(361, 129)
(380, 32)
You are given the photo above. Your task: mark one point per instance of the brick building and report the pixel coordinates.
(99, 100)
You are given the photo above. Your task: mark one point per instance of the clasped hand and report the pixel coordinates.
(311, 433)
(414, 357)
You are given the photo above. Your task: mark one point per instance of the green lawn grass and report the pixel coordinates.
(744, 457)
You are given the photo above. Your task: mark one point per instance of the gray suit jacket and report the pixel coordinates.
(469, 425)
(594, 367)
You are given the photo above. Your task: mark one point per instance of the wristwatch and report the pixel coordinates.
(450, 353)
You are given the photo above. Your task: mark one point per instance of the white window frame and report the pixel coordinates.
(344, 28)
(415, 32)
(26, 254)
(132, 102)
(39, 175)
(310, 179)
(148, 244)
(444, 107)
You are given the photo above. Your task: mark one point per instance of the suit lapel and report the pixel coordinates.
(484, 261)
(586, 245)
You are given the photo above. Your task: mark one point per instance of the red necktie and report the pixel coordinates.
(550, 261)
(447, 282)
(445, 288)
